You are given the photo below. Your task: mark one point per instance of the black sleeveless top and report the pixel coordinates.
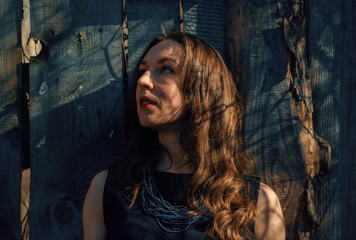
(135, 224)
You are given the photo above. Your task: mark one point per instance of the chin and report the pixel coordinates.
(147, 124)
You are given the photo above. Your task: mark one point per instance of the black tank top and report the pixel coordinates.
(135, 224)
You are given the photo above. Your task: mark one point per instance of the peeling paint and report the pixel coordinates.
(316, 152)
(114, 82)
(111, 133)
(80, 37)
(80, 108)
(28, 99)
(43, 88)
(30, 46)
(294, 22)
(41, 142)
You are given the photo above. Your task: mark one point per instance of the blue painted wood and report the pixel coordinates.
(76, 108)
(259, 57)
(147, 19)
(331, 28)
(10, 134)
(207, 19)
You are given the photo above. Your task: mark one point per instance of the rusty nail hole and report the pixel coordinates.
(56, 80)
(101, 29)
(51, 32)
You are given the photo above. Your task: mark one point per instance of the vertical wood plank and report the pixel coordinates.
(332, 48)
(259, 56)
(147, 19)
(207, 19)
(76, 108)
(10, 133)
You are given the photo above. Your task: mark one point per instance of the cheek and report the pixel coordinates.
(136, 96)
(136, 93)
(177, 102)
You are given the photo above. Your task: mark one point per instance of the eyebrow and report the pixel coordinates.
(161, 61)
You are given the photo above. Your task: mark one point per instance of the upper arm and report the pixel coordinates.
(270, 221)
(93, 217)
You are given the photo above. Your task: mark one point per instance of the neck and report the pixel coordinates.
(175, 161)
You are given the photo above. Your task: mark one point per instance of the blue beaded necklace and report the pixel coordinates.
(170, 218)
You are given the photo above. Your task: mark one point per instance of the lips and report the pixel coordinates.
(145, 102)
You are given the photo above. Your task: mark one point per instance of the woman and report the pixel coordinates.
(184, 174)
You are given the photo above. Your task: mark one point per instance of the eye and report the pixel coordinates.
(166, 69)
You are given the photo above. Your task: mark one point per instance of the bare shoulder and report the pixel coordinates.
(100, 179)
(266, 196)
(97, 185)
(93, 217)
(270, 221)
(96, 188)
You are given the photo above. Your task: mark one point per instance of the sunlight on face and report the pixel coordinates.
(159, 95)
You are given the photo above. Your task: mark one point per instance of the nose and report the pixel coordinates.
(146, 80)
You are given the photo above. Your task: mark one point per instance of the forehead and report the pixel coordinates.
(165, 49)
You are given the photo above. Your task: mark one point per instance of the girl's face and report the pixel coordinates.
(159, 95)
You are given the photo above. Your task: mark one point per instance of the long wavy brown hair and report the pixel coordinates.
(210, 137)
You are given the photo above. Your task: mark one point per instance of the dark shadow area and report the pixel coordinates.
(24, 117)
(75, 108)
(76, 148)
(331, 47)
(10, 181)
(10, 129)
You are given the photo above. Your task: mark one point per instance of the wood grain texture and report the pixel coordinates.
(76, 108)
(147, 19)
(10, 133)
(316, 151)
(260, 57)
(332, 48)
(207, 19)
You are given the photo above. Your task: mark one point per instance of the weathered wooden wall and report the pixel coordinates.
(10, 120)
(145, 20)
(259, 57)
(331, 49)
(294, 60)
(207, 19)
(76, 108)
